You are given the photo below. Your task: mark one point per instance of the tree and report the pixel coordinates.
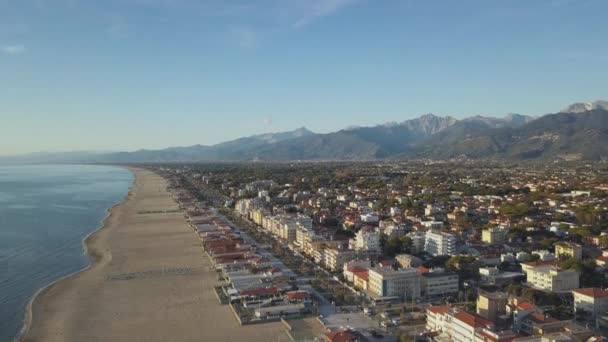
(571, 264)
(458, 262)
(529, 295)
(406, 338)
(406, 244)
(513, 289)
(393, 246)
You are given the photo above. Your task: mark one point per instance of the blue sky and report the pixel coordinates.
(129, 74)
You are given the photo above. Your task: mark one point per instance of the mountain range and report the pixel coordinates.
(580, 131)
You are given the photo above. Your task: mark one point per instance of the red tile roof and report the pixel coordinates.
(259, 292)
(423, 270)
(540, 318)
(362, 274)
(594, 292)
(526, 306)
(297, 294)
(341, 336)
(472, 320)
(602, 258)
(439, 309)
(356, 269)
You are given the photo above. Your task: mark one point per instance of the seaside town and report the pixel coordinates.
(419, 251)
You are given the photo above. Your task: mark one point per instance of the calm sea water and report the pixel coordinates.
(45, 212)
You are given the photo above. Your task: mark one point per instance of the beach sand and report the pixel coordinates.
(136, 289)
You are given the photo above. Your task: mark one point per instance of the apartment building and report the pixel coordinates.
(367, 239)
(490, 305)
(568, 249)
(593, 301)
(438, 284)
(439, 243)
(335, 257)
(552, 278)
(387, 282)
(494, 236)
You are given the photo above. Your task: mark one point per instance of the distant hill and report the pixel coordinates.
(585, 107)
(234, 150)
(577, 135)
(357, 143)
(578, 132)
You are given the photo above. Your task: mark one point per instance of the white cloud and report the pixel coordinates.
(13, 50)
(315, 9)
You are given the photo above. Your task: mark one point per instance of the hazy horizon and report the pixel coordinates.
(123, 75)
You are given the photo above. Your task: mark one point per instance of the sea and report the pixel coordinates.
(46, 211)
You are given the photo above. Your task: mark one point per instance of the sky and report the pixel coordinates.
(117, 75)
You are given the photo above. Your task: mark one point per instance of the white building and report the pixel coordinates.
(544, 255)
(439, 283)
(395, 211)
(367, 239)
(592, 300)
(431, 210)
(437, 318)
(432, 224)
(552, 278)
(353, 266)
(418, 241)
(387, 282)
(335, 258)
(465, 326)
(439, 243)
(461, 326)
(370, 218)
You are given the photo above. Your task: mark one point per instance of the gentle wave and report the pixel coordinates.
(42, 229)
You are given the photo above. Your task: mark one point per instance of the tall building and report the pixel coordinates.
(387, 282)
(490, 305)
(335, 258)
(569, 249)
(439, 243)
(494, 235)
(439, 283)
(552, 278)
(418, 240)
(367, 239)
(593, 301)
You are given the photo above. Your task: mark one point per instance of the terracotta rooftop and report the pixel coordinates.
(526, 306)
(594, 292)
(259, 291)
(540, 318)
(423, 270)
(362, 274)
(342, 336)
(297, 294)
(357, 269)
(439, 309)
(472, 320)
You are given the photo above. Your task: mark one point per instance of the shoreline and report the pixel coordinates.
(86, 251)
(124, 296)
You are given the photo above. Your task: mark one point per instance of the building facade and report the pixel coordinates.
(439, 243)
(387, 282)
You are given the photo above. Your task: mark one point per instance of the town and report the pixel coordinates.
(407, 251)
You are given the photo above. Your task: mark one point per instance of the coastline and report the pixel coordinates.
(135, 288)
(87, 248)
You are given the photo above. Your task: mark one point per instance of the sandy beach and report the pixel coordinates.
(148, 281)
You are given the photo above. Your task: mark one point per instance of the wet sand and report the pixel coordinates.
(148, 281)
